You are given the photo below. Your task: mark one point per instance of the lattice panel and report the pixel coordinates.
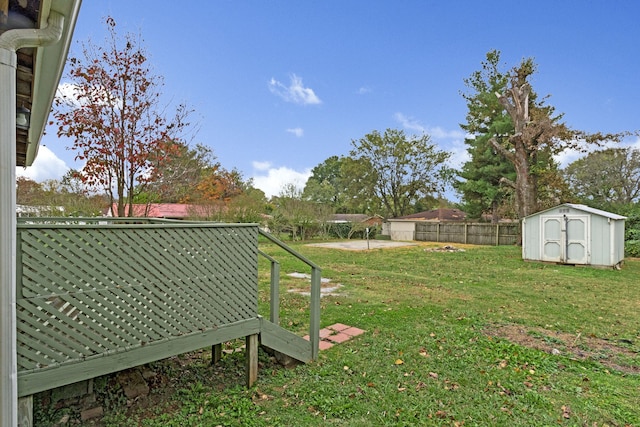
(91, 290)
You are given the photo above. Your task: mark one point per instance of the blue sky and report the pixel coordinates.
(280, 86)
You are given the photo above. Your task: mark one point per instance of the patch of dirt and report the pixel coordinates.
(362, 245)
(609, 353)
(445, 248)
(326, 287)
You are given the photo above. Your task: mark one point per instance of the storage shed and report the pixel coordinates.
(574, 234)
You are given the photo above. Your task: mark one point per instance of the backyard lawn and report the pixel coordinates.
(468, 338)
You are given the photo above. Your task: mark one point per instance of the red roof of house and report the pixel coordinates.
(158, 210)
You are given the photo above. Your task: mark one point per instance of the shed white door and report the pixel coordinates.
(565, 239)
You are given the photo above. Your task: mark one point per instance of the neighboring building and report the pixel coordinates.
(368, 220)
(404, 227)
(162, 210)
(436, 215)
(574, 234)
(350, 225)
(38, 211)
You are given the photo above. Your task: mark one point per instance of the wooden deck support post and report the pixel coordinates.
(251, 360)
(25, 411)
(216, 353)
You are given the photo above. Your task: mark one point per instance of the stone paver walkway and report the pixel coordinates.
(336, 334)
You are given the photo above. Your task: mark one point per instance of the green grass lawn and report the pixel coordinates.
(473, 338)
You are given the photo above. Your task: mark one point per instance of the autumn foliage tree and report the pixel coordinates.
(115, 118)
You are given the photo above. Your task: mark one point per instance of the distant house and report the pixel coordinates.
(350, 225)
(367, 220)
(38, 211)
(437, 215)
(162, 210)
(404, 227)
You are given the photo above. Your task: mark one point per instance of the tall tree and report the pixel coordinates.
(404, 168)
(537, 134)
(481, 187)
(114, 116)
(606, 179)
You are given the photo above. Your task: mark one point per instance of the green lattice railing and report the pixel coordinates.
(95, 298)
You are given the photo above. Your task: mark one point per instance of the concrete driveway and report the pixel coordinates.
(362, 245)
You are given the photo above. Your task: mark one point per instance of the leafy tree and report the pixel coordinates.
(631, 229)
(300, 218)
(114, 117)
(326, 184)
(218, 185)
(402, 169)
(177, 170)
(28, 192)
(606, 179)
(249, 206)
(51, 195)
(537, 135)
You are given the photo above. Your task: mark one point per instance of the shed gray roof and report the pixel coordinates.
(587, 209)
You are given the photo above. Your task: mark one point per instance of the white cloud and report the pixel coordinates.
(273, 180)
(435, 132)
(299, 132)
(295, 92)
(448, 140)
(46, 166)
(569, 156)
(75, 96)
(410, 123)
(68, 91)
(261, 166)
(364, 90)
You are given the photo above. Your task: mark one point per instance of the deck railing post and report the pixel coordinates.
(274, 313)
(314, 324)
(274, 289)
(316, 278)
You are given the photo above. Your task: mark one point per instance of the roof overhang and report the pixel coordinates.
(41, 75)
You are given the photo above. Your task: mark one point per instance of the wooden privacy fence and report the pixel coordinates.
(471, 233)
(94, 299)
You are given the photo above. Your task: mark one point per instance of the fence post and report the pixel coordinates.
(497, 234)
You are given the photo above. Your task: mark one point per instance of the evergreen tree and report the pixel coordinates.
(482, 185)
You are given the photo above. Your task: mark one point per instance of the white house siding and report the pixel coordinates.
(402, 229)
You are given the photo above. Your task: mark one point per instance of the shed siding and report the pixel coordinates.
(618, 250)
(532, 235)
(600, 241)
(605, 231)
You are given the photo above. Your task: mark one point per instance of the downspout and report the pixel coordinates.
(10, 42)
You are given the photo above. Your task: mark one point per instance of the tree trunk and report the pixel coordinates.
(526, 182)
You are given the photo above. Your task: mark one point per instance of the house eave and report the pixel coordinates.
(49, 62)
